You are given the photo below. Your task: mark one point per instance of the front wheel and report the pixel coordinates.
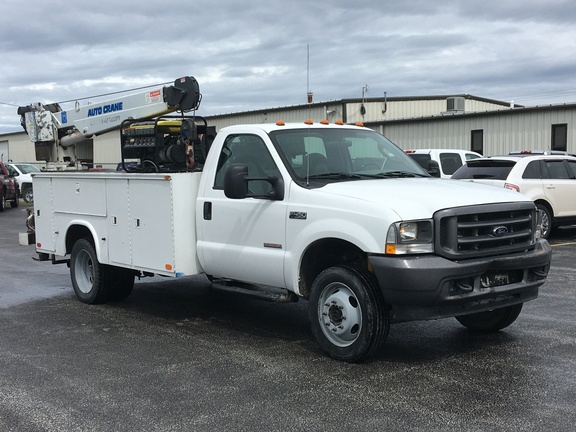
(491, 321)
(348, 315)
(545, 220)
(90, 279)
(28, 195)
(2, 201)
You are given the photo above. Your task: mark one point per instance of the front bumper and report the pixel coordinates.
(430, 287)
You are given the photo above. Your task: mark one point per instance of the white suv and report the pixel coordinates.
(548, 180)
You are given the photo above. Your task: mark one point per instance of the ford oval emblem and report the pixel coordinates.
(500, 231)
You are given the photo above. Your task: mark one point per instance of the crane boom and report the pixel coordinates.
(54, 131)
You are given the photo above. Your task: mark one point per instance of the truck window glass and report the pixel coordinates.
(345, 151)
(450, 162)
(422, 159)
(251, 151)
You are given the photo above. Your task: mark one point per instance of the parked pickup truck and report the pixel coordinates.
(334, 214)
(22, 172)
(8, 188)
(442, 162)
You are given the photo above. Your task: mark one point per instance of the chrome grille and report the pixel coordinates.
(485, 230)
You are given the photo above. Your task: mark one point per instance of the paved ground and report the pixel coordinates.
(178, 357)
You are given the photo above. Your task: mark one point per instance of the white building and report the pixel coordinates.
(465, 122)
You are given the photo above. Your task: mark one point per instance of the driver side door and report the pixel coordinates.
(243, 239)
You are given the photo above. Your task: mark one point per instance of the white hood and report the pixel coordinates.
(414, 198)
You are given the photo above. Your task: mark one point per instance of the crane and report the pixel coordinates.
(55, 131)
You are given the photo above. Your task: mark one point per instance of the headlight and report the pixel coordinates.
(414, 237)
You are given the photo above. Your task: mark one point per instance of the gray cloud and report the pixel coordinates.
(253, 55)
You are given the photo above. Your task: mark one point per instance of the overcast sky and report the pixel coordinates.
(250, 55)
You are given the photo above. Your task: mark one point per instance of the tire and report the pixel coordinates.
(546, 220)
(2, 202)
(15, 203)
(491, 321)
(90, 279)
(348, 315)
(28, 195)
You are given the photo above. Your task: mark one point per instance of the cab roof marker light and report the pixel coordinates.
(339, 122)
(360, 124)
(308, 122)
(324, 122)
(280, 123)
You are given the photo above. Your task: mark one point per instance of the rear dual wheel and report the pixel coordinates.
(348, 315)
(94, 282)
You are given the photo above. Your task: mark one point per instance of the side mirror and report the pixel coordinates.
(433, 168)
(236, 181)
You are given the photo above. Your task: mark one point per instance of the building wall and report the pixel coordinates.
(4, 155)
(349, 111)
(519, 129)
(107, 152)
(412, 109)
(410, 123)
(20, 147)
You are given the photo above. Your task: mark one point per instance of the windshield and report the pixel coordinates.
(342, 154)
(27, 169)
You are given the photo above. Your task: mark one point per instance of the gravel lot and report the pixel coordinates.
(177, 356)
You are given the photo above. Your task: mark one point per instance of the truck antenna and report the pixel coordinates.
(308, 91)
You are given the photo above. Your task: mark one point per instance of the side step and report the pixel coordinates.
(260, 292)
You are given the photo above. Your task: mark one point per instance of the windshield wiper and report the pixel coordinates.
(399, 174)
(357, 176)
(335, 176)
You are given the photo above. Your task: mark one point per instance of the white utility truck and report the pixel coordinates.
(332, 213)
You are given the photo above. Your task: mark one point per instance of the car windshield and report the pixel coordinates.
(27, 168)
(342, 154)
(490, 169)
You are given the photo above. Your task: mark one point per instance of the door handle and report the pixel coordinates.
(207, 210)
